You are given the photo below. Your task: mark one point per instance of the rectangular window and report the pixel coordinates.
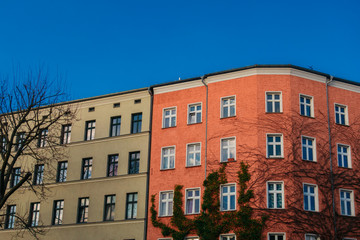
(306, 106)
(3, 144)
(43, 135)
(169, 117)
(89, 130)
(61, 171)
(66, 134)
(109, 209)
(168, 158)
(228, 105)
(131, 205)
(194, 111)
(344, 156)
(166, 203)
(112, 165)
(310, 237)
(15, 176)
(341, 115)
(347, 202)
(38, 174)
(228, 197)
(115, 124)
(308, 148)
(83, 210)
(228, 237)
(228, 150)
(34, 214)
(276, 236)
(86, 168)
(136, 120)
(274, 146)
(20, 139)
(275, 195)
(134, 162)
(58, 212)
(193, 155)
(310, 197)
(10, 217)
(273, 102)
(192, 201)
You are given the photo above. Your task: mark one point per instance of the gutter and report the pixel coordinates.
(206, 120)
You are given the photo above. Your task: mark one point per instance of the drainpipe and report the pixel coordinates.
(151, 93)
(206, 120)
(328, 81)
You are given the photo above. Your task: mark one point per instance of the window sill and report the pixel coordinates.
(194, 123)
(345, 125)
(274, 112)
(228, 161)
(193, 166)
(168, 127)
(167, 169)
(165, 216)
(281, 157)
(349, 168)
(312, 161)
(312, 117)
(228, 117)
(231, 210)
(192, 213)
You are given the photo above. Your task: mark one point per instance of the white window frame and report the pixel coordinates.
(275, 192)
(167, 201)
(316, 196)
(281, 142)
(229, 106)
(276, 233)
(305, 104)
(228, 148)
(345, 113)
(227, 235)
(187, 154)
(229, 194)
(170, 116)
(162, 157)
(308, 146)
(311, 235)
(195, 112)
(352, 205)
(342, 155)
(194, 198)
(273, 101)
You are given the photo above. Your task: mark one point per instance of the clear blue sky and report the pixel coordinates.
(113, 45)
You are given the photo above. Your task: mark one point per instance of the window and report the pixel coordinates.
(228, 237)
(136, 101)
(66, 134)
(310, 197)
(43, 135)
(38, 174)
(306, 106)
(3, 144)
(194, 111)
(131, 205)
(15, 177)
(192, 238)
(347, 202)
(228, 107)
(341, 114)
(109, 209)
(273, 102)
(192, 201)
(166, 203)
(115, 124)
(61, 171)
(308, 148)
(86, 168)
(168, 158)
(136, 120)
(89, 130)
(169, 117)
(228, 196)
(112, 165)
(20, 139)
(116, 105)
(193, 154)
(10, 216)
(276, 236)
(310, 237)
(83, 210)
(274, 146)
(58, 212)
(34, 214)
(344, 156)
(228, 149)
(134, 161)
(91, 109)
(275, 195)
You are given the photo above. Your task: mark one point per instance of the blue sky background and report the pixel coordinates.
(113, 45)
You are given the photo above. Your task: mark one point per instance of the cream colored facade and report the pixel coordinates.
(99, 185)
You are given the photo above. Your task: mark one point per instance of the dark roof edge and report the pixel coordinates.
(258, 66)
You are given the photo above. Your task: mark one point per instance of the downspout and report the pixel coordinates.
(330, 155)
(206, 120)
(151, 93)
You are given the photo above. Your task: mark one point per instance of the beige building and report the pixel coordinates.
(98, 191)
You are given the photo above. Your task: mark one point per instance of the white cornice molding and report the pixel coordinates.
(345, 86)
(178, 86)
